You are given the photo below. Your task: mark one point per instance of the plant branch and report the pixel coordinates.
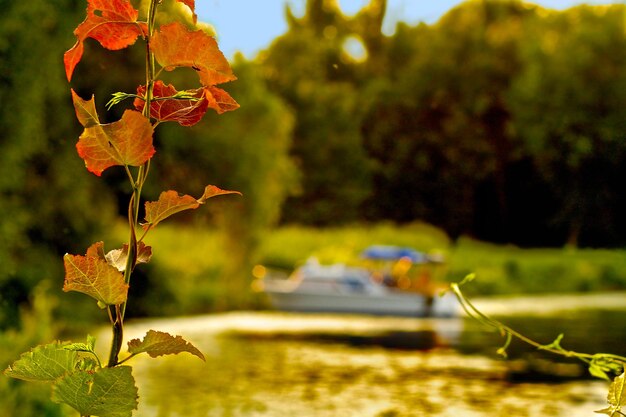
(135, 199)
(127, 358)
(604, 361)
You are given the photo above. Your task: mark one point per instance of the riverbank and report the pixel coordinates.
(195, 257)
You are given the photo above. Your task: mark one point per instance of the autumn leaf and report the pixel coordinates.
(170, 203)
(85, 110)
(213, 191)
(113, 23)
(118, 257)
(92, 275)
(175, 46)
(125, 142)
(96, 250)
(157, 343)
(219, 100)
(185, 111)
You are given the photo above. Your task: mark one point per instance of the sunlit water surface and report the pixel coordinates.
(310, 365)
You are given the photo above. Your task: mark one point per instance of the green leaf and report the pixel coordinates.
(43, 363)
(616, 392)
(118, 98)
(83, 347)
(598, 372)
(157, 343)
(86, 363)
(616, 398)
(108, 392)
(95, 277)
(78, 347)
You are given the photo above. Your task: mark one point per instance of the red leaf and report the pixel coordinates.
(115, 26)
(185, 112)
(125, 142)
(175, 46)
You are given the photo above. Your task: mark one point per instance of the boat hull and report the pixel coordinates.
(394, 304)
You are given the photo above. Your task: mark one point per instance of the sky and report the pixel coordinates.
(249, 26)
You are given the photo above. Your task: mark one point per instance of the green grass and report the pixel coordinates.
(511, 270)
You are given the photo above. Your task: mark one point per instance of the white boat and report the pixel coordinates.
(346, 289)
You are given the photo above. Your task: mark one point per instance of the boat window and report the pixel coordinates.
(354, 283)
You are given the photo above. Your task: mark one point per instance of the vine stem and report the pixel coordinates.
(510, 333)
(117, 312)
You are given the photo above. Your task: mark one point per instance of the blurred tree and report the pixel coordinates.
(311, 70)
(570, 114)
(439, 130)
(47, 208)
(451, 119)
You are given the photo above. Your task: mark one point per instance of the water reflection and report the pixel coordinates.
(274, 365)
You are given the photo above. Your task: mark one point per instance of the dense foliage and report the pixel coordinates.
(503, 120)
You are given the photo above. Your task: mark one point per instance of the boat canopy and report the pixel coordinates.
(392, 253)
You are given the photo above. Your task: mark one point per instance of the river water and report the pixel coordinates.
(270, 364)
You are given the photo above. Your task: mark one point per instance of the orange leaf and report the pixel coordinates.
(93, 276)
(219, 100)
(185, 112)
(170, 203)
(125, 142)
(213, 191)
(96, 250)
(114, 25)
(175, 46)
